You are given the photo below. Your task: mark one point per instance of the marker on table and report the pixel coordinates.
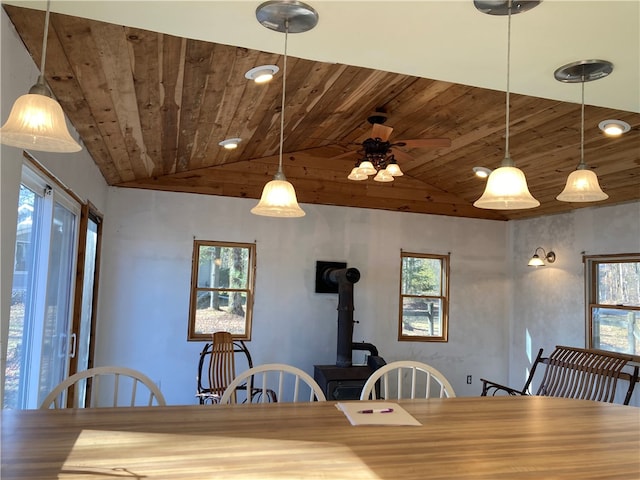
(380, 410)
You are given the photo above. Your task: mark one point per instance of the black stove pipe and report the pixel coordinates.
(344, 278)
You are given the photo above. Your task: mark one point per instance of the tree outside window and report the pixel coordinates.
(424, 297)
(222, 286)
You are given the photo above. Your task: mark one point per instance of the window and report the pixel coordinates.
(613, 299)
(222, 283)
(424, 297)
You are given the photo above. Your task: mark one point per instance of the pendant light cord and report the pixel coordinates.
(284, 88)
(44, 39)
(506, 148)
(582, 164)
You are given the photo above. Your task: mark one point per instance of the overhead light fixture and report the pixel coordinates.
(36, 120)
(278, 196)
(230, 143)
(262, 74)
(506, 187)
(536, 261)
(482, 172)
(614, 128)
(376, 161)
(582, 184)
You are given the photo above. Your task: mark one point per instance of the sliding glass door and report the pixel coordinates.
(40, 341)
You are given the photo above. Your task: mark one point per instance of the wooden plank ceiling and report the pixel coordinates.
(151, 108)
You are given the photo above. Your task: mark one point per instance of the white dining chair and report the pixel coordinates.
(424, 382)
(275, 382)
(108, 386)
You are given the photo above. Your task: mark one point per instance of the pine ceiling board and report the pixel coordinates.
(144, 55)
(197, 64)
(242, 99)
(250, 104)
(112, 43)
(87, 60)
(213, 94)
(172, 55)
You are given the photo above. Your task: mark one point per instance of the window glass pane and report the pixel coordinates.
(221, 311)
(18, 348)
(421, 276)
(421, 316)
(222, 267)
(619, 283)
(55, 345)
(616, 330)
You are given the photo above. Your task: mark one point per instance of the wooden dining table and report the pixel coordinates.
(459, 438)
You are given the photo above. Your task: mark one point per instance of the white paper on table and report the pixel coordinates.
(399, 416)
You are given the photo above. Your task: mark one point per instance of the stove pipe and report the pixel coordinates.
(344, 278)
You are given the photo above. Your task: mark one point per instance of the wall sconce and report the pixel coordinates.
(536, 261)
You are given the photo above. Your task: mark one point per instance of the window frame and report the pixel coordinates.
(591, 263)
(249, 291)
(444, 298)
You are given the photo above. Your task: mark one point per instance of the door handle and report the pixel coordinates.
(73, 345)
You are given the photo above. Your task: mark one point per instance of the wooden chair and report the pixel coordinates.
(216, 369)
(121, 386)
(423, 380)
(287, 387)
(571, 372)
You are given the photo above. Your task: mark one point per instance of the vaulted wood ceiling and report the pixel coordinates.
(151, 108)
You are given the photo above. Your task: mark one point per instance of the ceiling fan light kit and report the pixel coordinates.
(36, 120)
(582, 184)
(278, 196)
(506, 187)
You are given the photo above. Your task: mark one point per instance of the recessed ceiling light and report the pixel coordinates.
(482, 172)
(614, 127)
(230, 143)
(262, 74)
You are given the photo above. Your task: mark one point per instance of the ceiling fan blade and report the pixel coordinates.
(423, 142)
(343, 155)
(381, 131)
(402, 156)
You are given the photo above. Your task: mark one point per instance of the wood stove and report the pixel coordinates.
(344, 381)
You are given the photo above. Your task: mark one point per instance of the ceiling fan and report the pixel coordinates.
(378, 155)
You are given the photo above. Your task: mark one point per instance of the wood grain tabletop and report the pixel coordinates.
(460, 438)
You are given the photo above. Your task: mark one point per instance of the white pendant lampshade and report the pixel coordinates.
(383, 176)
(278, 200)
(36, 122)
(582, 186)
(506, 190)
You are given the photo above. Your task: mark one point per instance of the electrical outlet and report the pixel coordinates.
(469, 379)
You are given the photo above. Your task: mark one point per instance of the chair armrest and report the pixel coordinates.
(492, 388)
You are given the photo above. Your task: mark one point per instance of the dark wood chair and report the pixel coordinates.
(571, 372)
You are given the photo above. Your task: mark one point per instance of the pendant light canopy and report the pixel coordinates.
(582, 184)
(278, 196)
(36, 121)
(506, 187)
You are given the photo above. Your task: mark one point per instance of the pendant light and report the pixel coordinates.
(36, 120)
(506, 187)
(278, 196)
(582, 184)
